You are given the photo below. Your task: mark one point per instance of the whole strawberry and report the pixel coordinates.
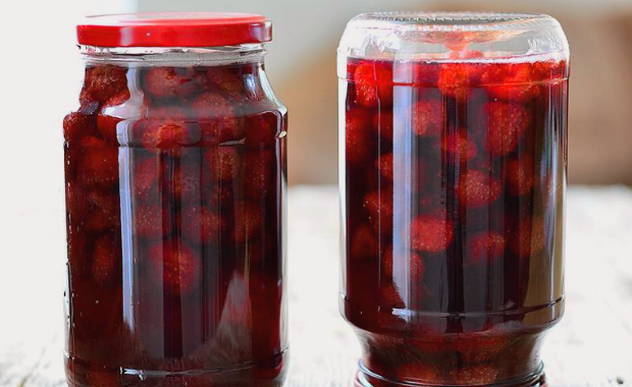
(359, 138)
(506, 124)
(520, 177)
(485, 246)
(162, 82)
(103, 82)
(373, 84)
(379, 206)
(217, 119)
(200, 224)
(478, 189)
(99, 163)
(431, 233)
(106, 259)
(429, 118)
(363, 245)
(174, 265)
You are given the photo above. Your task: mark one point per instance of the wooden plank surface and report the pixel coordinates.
(592, 346)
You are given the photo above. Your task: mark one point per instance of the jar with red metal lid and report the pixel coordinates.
(175, 195)
(453, 172)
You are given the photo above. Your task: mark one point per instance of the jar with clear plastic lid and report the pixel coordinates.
(452, 174)
(175, 196)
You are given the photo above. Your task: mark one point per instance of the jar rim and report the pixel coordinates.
(454, 36)
(452, 21)
(165, 56)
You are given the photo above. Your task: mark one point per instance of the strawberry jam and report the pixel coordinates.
(175, 182)
(453, 182)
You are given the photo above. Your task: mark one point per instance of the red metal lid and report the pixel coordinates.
(174, 29)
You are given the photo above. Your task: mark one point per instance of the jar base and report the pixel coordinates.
(86, 374)
(367, 378)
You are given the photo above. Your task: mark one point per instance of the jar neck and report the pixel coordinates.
(174, 56)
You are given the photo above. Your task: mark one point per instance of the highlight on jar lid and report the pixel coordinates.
(174, 29)
(454, 36)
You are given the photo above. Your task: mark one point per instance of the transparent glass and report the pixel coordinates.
(175, 193)
(452, 174)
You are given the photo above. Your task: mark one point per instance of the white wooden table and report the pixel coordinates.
(592, 346)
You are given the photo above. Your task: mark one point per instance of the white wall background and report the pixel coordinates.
(40, 71)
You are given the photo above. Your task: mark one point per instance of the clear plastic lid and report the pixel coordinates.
(454, 37)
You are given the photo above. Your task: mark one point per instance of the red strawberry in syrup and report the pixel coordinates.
(458, 147)
(262, 129)
(99, 163)
(485, 246)
(363, 245)
(429, 118)
(165, 82)
(359, 138)
(175, 265)
(506, 124)
(150, 221)
(385, 164)
(103, 82)
(106, 126)
(248, 221)
(81, 123)
(373, 84)
(224, 163)
(431, 233)
(187, 179)
(218, 121)
(528, 237)
(478, 189)
(78, 251)
(456, 79)
(231, 82)
(390, 299)
(106, 259)
(145, 178)
(383, 121)
(117, 99)
(103, 211)
(549, 70)
(259, 168)
(424, 73)
(221, 195)
(510, 81)
(164, 133)
(415, 266)
(379, 205)
(520, 177)
(200, 224)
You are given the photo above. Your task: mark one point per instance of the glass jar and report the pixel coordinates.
(453, 172)
(175, 192)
